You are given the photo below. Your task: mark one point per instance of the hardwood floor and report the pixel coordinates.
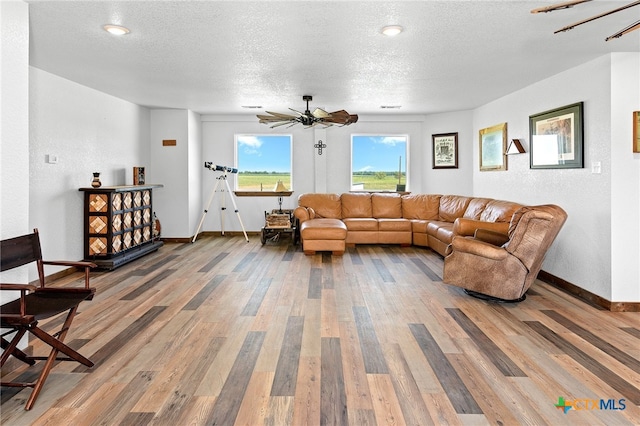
(227, 332)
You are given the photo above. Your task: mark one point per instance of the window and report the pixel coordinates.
(263, 160)
(378, 162)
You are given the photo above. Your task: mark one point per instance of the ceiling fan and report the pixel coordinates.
(568, 4)
(308, 118)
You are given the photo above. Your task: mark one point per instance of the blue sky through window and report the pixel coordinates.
(270, 153)
(378, 153)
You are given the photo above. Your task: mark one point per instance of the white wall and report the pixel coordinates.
(450, 181)
(169, 166)
(88, 131)
(625, 179)
(14, 127)
(582, 254)
(194, 172)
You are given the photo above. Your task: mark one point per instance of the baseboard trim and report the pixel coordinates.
(587, 296)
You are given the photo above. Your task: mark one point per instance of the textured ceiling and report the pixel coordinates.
(216, 56)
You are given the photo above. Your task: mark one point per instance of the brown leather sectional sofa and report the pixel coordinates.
(331, 222)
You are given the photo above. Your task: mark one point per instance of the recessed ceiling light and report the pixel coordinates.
(390, 106)
(252, 106)
(392, 30)
(116, 29)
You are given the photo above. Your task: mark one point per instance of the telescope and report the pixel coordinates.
(209, 165)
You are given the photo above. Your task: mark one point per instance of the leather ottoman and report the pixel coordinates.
(323, 235)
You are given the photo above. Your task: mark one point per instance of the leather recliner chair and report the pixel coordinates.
(504, 273)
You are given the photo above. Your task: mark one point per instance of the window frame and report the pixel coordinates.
(381, 135)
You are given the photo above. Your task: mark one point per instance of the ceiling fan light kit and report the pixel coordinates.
(569, 4)
(308, 118)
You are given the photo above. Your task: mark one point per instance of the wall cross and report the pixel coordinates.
(320, 145)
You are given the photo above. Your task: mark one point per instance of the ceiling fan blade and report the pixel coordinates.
(297, 112)
(268, 117)
(320, 113)
(282, 123)
(632, 27)
(280, 114)
(558, 6)
(593, 18)
(338, 117)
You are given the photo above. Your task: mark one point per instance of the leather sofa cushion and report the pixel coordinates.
(452, 207)
(386, 206)
(499, 211)
(445, 233)
(434, 225)
(323, 229)
(475, 208)
(324, 205)
(421, 206)
(420, 226)
(356, 205)
(361, 224)
(467, 227)
(395, 225)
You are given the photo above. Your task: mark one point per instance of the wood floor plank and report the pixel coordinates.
(121, 339)
(374, 362)
(284, 383)
(252, 306)
(384, 272)
(333, 399)
(414, 410)
(493, 352)
(329, 314)
(315, 284)
(126, 399)
(306, 410)
(149, 284)
(630, 392)
(228, 402)
(386, 407)
(454, 387)
(426, 270)
(280, 411)
(255, 404)
(629, 361)
(204, 294)
(355, 376)
(209, 266)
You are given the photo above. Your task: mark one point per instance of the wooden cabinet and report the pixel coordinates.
(118, 224)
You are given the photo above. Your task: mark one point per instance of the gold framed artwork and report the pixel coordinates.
(493, 145)
(636, 131)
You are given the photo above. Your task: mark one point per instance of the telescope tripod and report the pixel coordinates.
(221, 178)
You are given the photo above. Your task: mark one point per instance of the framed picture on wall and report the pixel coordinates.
(138, 175)
(493, 145)
(557, 138)
(636, 131)
(445, 151)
